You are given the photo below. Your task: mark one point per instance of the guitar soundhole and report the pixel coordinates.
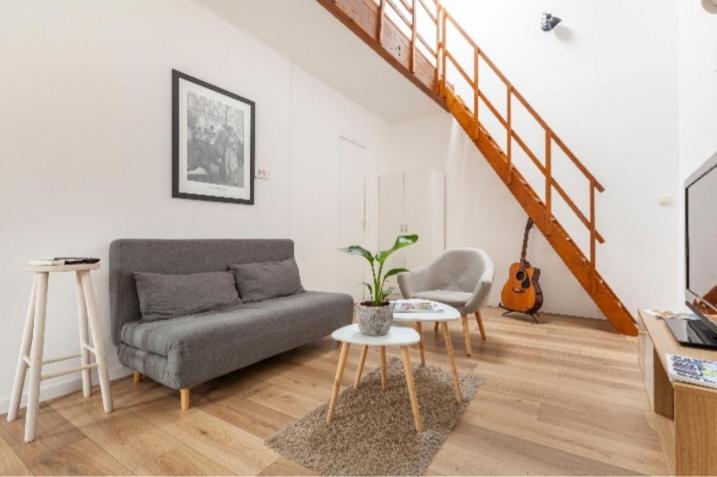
(520, 276)
(525, 283)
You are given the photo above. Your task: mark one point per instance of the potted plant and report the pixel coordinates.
(375, 316)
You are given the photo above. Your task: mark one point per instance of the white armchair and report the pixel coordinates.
(461, 278)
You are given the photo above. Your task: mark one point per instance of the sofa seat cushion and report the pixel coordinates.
(202, 347)
(448, 297)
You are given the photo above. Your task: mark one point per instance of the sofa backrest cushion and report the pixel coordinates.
(162, 296)
(128, 256)
(264, 280)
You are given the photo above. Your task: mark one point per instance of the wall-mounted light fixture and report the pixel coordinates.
(548, 22)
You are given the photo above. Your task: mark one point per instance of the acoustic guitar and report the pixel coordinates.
(522, 293)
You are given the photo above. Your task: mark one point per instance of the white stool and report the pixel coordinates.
(33, 340)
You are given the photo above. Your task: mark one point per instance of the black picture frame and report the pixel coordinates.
(177, 168)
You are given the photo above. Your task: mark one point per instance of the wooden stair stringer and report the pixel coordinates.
(595, 286)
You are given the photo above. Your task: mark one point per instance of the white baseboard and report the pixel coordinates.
(52, 390)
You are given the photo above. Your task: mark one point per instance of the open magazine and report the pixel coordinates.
(701, 372)
(414, 306)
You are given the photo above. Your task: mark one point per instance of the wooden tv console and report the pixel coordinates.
(687, 414)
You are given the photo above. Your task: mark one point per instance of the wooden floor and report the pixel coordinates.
(563, 397)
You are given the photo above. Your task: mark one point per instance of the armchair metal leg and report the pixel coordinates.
(184, 398)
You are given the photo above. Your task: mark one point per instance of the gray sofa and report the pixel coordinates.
(186, 351)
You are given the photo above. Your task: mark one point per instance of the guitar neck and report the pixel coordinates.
(524, 250)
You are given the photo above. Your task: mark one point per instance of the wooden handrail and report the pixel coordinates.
(460, 69)
(428, 11)
(399, 13)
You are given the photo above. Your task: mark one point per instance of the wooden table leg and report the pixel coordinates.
(36, 356)
(337, 382)
(21, 369)
(466, 334)
(479, 319)
(383, 368)
(452, 359)
(419, 329)
(411, 389)
(359, 370)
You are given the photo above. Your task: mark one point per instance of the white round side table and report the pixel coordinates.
(33, 339)
(443, 314)
(397, 336)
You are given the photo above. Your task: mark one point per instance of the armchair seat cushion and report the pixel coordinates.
(449, 297)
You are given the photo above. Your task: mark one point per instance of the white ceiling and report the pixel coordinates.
(316, 41)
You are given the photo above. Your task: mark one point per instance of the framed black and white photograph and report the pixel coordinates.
(212, 142)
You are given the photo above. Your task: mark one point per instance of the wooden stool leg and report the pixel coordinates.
(21, 368)
(411, 389)
(337, 382)
(435, 326)
(359, 370)
(419, 329)
(383, 368)
(84, 342)
(479, 319)
(185, 398)
(97, 341)
(36, 356)
(466, 335)
(452, 359)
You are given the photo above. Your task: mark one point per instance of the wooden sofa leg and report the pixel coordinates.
(184, 398)
(136, 377)
(435, 326)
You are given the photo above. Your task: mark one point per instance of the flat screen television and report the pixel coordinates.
(700, 257)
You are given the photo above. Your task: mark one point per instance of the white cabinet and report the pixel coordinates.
(412, 203)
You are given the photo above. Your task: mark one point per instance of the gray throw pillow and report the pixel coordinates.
(263, 280)
(167, 296)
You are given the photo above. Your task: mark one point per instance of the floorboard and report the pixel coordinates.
(562, 397)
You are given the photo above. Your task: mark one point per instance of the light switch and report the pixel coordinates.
(666, 200)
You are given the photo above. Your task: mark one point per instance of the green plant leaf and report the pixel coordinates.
(358, 251)
(394, 271)
(401, 242)
(370, 289)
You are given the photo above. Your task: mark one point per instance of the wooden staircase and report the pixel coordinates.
(392, 28)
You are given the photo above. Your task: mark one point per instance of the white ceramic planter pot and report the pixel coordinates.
(373, 320)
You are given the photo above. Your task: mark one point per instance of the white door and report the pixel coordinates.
(352, 216)
(423, 194)
(391, 220)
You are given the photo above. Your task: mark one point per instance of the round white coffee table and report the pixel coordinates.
(442, 316)
(397, 336)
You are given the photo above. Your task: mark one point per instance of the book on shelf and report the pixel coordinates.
(414, 306)
(701, 372)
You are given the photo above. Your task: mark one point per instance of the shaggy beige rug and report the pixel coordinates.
(372, 432)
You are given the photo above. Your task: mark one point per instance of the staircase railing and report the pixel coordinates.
(440, 54)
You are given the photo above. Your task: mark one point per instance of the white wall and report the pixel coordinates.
(697, 83)
(85, 129)
(606, 81)
(697, 95)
